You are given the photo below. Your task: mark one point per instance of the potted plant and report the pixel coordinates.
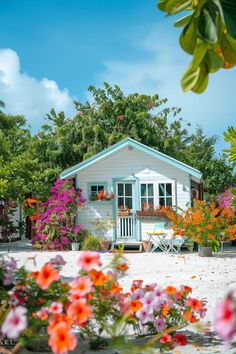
(77, 237)
(101, 227)
(205, 224)
(149, 211)
(123, 211)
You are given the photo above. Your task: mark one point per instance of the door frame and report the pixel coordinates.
(136, 203)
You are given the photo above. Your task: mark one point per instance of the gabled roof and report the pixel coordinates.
(70, 172)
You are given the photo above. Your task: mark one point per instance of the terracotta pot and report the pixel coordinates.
(124, 213)
(146, 245)
(105, 245)
(204, 251)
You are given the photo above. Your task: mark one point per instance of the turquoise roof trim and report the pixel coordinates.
(70, 172)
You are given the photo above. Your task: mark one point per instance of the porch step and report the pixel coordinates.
(128, 247)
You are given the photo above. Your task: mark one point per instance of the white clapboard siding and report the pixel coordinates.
(92, 211)
(129, 163)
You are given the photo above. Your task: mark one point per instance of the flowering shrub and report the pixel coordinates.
(93, 305)
(225, 199)
(55, 225)
(225, 318)
(31, 208)
(206, 224)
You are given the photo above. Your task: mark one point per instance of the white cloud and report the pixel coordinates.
(24, 94)
(160, 72)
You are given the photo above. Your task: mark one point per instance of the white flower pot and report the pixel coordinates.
(74, 246)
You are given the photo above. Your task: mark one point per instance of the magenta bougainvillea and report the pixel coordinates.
(55, 226)
(225, 199)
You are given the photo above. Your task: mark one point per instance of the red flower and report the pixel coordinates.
(166, 338)
(180, 339)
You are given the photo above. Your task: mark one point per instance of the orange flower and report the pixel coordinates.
(46, 276)
(80, 312)
(195, 304)
(116, 289)
(82, 285)
(42, 313)
(58, 318)
(98, 278)
(33, 274)
(170, 290)
(61, 339)
(89, 260)
(34, 217)
(188, 315)
(122, 267)
(165, 310)
(135, 305)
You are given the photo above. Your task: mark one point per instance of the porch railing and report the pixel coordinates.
(125, 227)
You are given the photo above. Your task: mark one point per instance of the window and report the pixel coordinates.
(94, 189)
(147, 196)
(165, 194)
(124, 195)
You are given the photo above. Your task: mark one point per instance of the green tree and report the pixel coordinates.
(111, 116)
(209, 35)
(20, 169)
(230, 137)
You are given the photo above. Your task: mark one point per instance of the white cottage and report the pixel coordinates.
(141, 179)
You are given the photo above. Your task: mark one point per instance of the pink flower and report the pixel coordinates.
(225, 318)
(159, 325)
(15, 322)
(82, 285)
(166, 338)
(138, 294)
(145, 314)
(89, 260)
(42, 313)
(160, 294)
(55, 308)
(77, 228)
(58, 260)
(148, 299)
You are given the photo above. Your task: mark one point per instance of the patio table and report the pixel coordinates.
(167, 243)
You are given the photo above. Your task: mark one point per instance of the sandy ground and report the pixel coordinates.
(209, 277)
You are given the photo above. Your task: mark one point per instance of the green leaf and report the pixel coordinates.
(202, 82)
(206, 27)
(213, 60)
(162, 5)
(188, 37)
(183, 21)
(190, 78)
(199, 53)
(228, 48)
(215, 6)
(175, 6)
(229, 10)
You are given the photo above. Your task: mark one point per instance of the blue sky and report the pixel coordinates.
(52, 50)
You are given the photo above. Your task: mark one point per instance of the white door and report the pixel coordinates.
(125, 230)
